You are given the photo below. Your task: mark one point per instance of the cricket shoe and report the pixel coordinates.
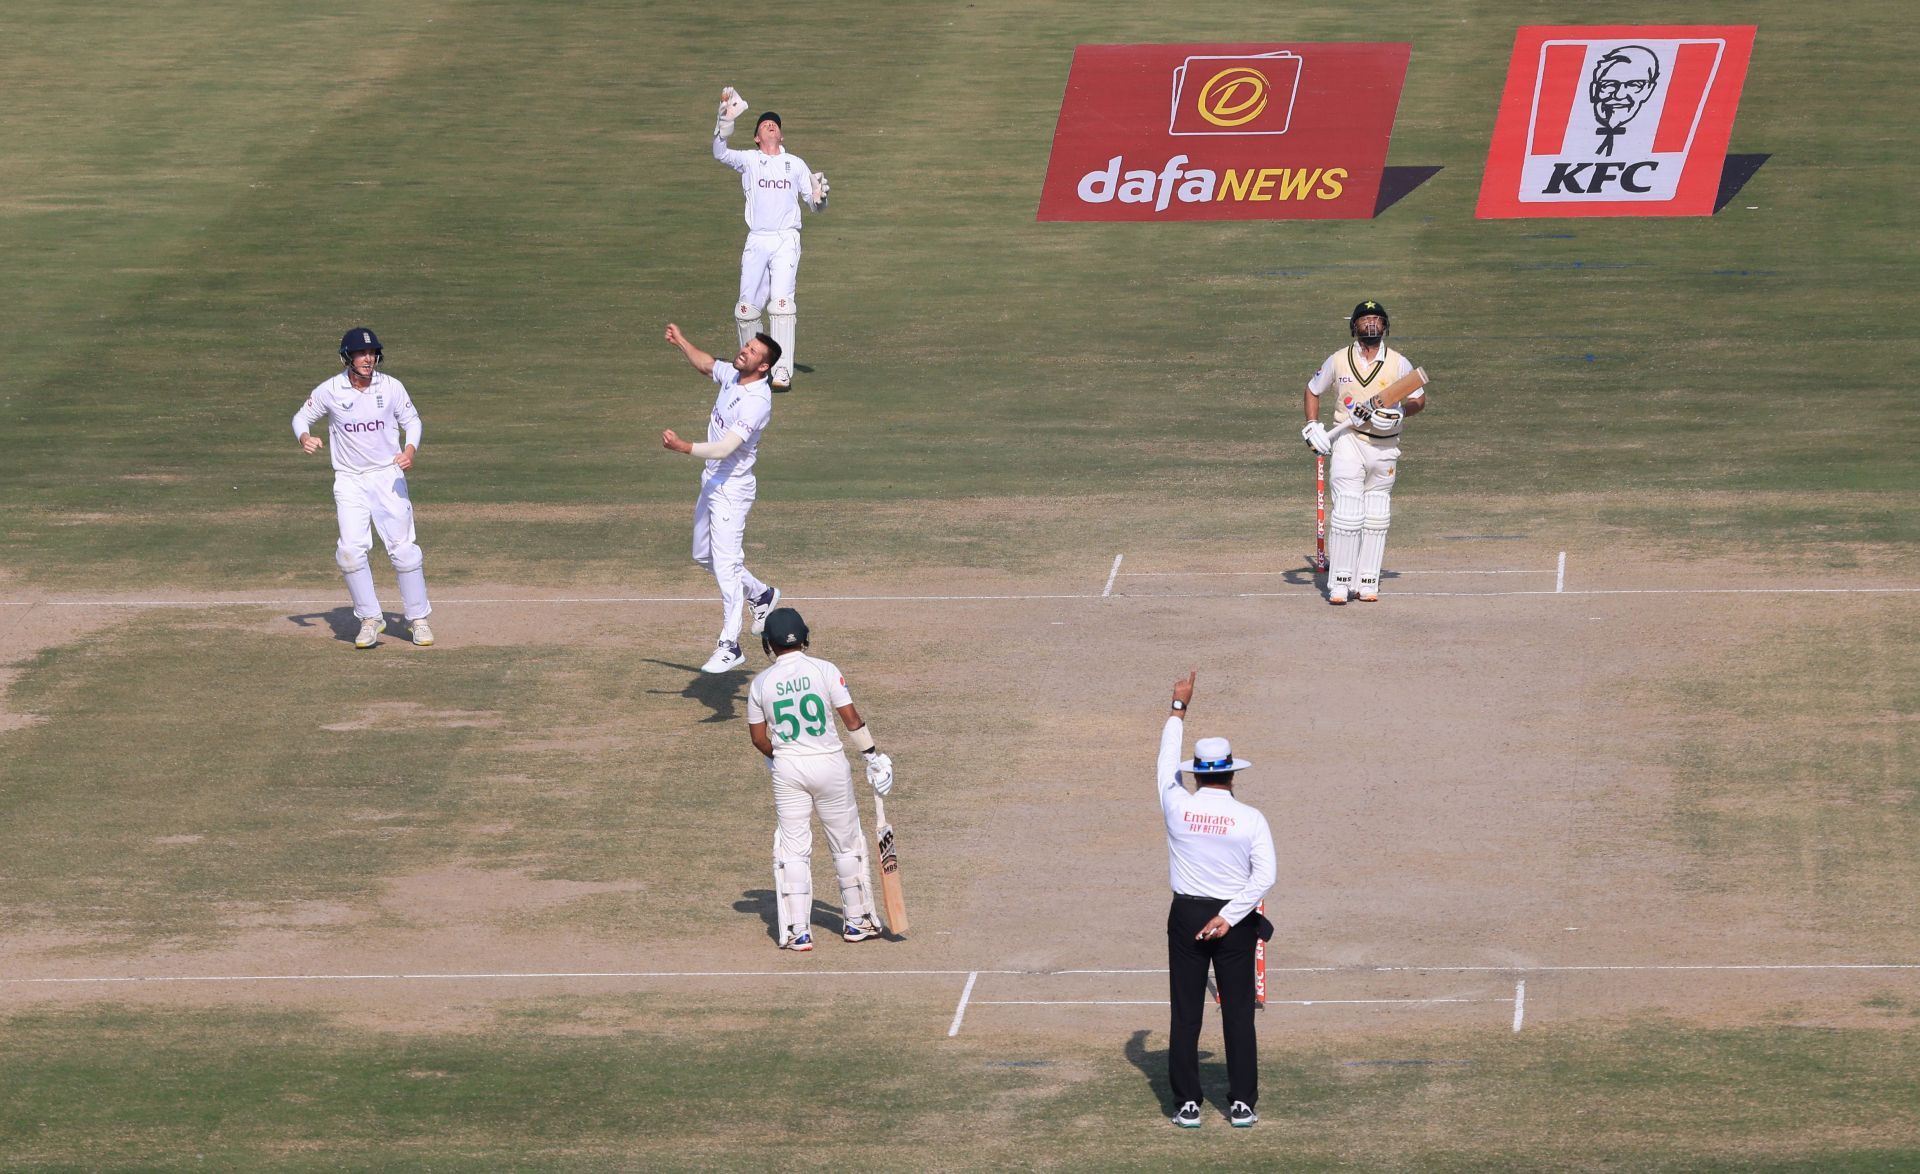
(422, 634)
(1189, 1115)
(760, 607)
(781, 378)
(370, 629)
(1366, 596)
(726, 655)
(1242, 1116)
(799, 943)
(1337, 595)
(860, 929)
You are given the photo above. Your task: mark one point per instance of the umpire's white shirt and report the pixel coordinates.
(1217, 846)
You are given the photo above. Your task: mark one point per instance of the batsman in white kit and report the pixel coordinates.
(790, 709)
(740, 414)
(375, 432)
(776, 184)
(1364, 446)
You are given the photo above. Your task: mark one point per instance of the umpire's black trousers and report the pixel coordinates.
(1232, 959)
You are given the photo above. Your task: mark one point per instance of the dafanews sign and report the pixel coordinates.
(1223, 132)
(1627, 120)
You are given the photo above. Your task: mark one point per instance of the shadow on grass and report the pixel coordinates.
(344, 623)
(1153, 1066)
(719, 692)
(825, 916)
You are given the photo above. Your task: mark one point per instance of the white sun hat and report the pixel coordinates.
(1213, 756)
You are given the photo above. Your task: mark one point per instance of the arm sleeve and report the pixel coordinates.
(308, 415)
(1321, 379)
(734, 159)
(717, 450)
(1259, 877)
(408, 417)
(1169, 765)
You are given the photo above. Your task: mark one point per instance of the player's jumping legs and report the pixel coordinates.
(727, 530)
(755, 280)
(1382, 464)
(356, 540)
(1345, 480)
(792, 851)
(783, 312)
(393, 518)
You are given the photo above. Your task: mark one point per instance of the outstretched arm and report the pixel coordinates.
(701, 360)
(1168, 772)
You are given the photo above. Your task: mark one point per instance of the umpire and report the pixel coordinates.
(1220, 856)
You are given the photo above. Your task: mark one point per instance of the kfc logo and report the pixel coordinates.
(1615, 121)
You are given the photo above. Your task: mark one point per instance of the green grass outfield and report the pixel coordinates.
(517, 196)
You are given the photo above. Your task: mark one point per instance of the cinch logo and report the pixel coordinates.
(1242, 95)
(1200, 185)
(776, 183)
(367, 426)
(1617, 117)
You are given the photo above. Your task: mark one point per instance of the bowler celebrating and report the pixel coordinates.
(727, 487)
(366, 413)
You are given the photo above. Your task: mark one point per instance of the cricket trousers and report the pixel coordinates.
(1231, 957)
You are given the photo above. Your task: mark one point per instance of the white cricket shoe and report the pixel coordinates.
(761, 606)
(726, 655)
(860, 929)
(781, 378)
(370, 629)
(1337, 594)
(799, 943)
(422, 634)
(1367, 596)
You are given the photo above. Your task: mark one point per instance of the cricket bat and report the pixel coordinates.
(1396, 391)
(890, 893)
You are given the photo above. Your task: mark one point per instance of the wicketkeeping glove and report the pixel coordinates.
(880, 773)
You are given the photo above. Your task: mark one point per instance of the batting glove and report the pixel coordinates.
(1363, 412)
(880, 773)
(1315, 434)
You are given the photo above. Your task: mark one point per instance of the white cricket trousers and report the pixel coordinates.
(719, 545)
(376, 500)
(802, 785)
(770, 266)
(1360, 477)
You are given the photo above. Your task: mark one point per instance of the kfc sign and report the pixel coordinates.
(1621, 121)
(1223, 132)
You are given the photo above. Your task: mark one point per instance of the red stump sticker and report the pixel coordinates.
(1615, 121)
(1223, 132)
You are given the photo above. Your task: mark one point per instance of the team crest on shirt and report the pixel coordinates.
(346, 405)
(379, 403)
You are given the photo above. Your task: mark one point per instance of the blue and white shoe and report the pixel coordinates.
(726, 656)
(798, 943)
(760, 607)
(860, 929)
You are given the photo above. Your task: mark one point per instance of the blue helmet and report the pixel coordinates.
(360, 338)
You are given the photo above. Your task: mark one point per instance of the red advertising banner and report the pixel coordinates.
(1620, 120)
(1223, 132)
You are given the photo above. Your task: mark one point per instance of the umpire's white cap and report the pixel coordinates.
(1213, 756)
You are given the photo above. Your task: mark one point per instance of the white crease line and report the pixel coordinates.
(1304, 594)
(427, 976)
(1162, 1002)
(1560, 575)
(1112, 575)
(960, 1012)
(1519, 1004)
(1298, 570)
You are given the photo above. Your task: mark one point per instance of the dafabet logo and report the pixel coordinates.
(1223, 132)
(1616, 121)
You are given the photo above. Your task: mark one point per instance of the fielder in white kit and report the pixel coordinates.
(367, 412)
(1366, 453)
(740, 414)
(776, 184)
(790, 708)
